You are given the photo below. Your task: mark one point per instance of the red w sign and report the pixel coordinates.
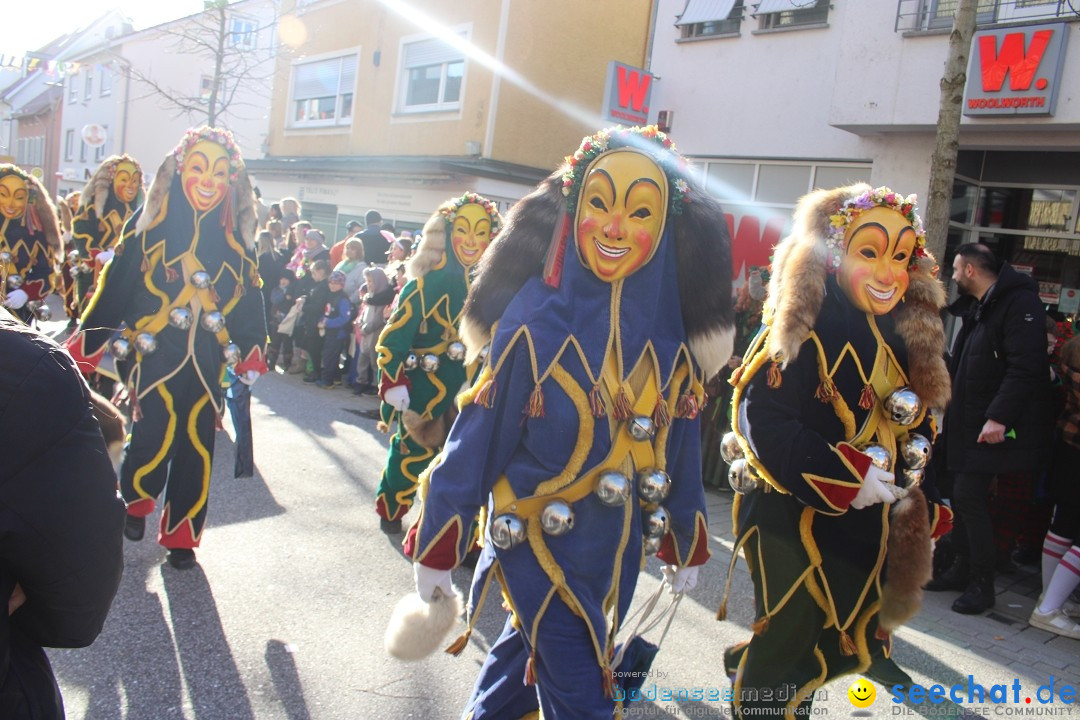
(626, 96)
(1011, 60)
(1030, 57)
(633, 89)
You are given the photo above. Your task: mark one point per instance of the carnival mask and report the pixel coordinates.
(874, 270)
(621, 212)
(470, 233)
(13, 196)
(127, 181)
(205, 177)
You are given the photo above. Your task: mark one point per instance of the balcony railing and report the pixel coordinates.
(915, 15)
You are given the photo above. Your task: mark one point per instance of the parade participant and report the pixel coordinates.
(580, 437)
(29, 243)
(420, 356)
(183, 289)
(108, 200)
(832, 423)
(67, 207)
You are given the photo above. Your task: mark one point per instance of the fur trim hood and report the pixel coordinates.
(797, 291)
(100, 185)
(431, 249)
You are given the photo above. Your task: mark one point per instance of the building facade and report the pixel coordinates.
(398, 106)
(776, 97)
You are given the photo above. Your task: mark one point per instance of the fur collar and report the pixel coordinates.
(429, 253)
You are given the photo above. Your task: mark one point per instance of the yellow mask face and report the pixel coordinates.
(126, 182)
(874, 272)
(621, 213)
(205, 177)
(470, 233)
(13, 196)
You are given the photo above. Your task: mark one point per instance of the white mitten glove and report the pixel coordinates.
(249, 377)
(397, 397)
(429, 579)
(16, 299)
(680, 579)
(874, 489)
(104, 256)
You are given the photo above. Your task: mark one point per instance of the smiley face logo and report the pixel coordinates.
(862, 693)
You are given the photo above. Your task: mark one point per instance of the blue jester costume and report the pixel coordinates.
(831, 427)
(580, 439)
(29, 242)
(108, 200)
(420, 354)
(183, 292)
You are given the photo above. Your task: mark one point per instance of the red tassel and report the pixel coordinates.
(760, 626)
(868, 398)
(847, 645)
(596, 402)
(171, 275)
(553, 263)
(530, 669)
(826, 391)
(486, 396)
(623, 410)
(775, 379)
(535, 408)
(660, 415)
(455, 648)
(687, 408)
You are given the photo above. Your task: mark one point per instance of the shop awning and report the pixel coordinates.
(700, 11)
(772, 6)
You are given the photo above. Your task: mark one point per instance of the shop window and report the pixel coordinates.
(322, 92)
(782, 183)
(962, 207)
(431, 76)
(731, 181)
(831, 177)
(1040, 209)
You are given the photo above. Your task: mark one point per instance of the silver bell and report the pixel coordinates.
(181, 318)
(33, 305)
(200, 279)
(121, 348)
(507, 531)
(916, 450)
(642, 428)
(145, 343)
(557, 518)
(913, 478)
(879, 456)
(903, 406)
(656, 523)
(232, 354)
(741, 477)
(653, 485)
(730, 450)
(14, 281)
(5, 257)
(429, 363)
(456, 351)
(484, 352)
(213, 322)
(651, 545)
(73, 257)
(612, 488)
(43, 313)
(411, 361)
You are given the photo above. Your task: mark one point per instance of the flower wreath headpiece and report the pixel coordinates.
(110, 171)
(450, 210)
(8, 169)
(647, 139)
(855, 206)
(221, 137)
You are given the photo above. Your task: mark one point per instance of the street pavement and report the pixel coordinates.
(284, 615)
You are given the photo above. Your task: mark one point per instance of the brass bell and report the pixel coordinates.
(120, 347)
(653, 485)
(656, 523)
(145, 343)
(232, 354)
(557, 518)
(903, 406)
(651, 545)
(429, 363)
(15, 281)
(213, 322)
(612, 488)
(916, 451)
(879, 456)
(913, 478)
(200, 279)
(456, 351)
(411, 361)
(642, 428)
(507, 531)
(181, 318)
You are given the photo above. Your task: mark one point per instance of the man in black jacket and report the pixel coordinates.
(375, 243)
(60, 519)
(1000, 419)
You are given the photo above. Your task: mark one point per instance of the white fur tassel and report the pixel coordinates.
(417, 628)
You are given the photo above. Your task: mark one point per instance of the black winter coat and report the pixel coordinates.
(1000, 370)
(61, 521)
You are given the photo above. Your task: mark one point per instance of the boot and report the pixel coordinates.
(978, 598)
(955, 577)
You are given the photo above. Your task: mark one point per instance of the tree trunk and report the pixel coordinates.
(219, 59)
(943, 161)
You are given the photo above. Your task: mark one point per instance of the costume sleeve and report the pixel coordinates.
(687, 542)
(480, 445)
(396, 339)
(247, 325)
(823, 475)
(1023, 343)
(38, 282)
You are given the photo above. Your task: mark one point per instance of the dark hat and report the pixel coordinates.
(337, 277)
(353, 223)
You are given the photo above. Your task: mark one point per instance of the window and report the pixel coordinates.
(242, 33)
(69, 145)
(82, 151)
(432, 73)
(73, 89)
(206, 86)
(99, 151)
(106, 82)
(89, 89)
(322, 92)
(772, 14)
(705, 18)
